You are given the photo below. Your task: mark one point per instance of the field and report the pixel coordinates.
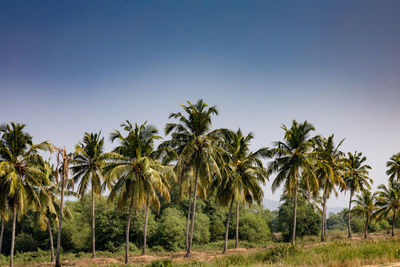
(379, 249)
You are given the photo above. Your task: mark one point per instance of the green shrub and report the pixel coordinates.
(157, 249)
(171, 230)
(279, 253)
(161, 263)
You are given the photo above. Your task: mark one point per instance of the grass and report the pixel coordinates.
(308, 251)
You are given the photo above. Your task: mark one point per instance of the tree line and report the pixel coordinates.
(198, 160)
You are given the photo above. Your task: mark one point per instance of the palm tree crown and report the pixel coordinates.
(393, 166)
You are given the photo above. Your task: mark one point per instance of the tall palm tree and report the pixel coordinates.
(63, 161)
(393, 166)
(329, 170)
(242, 175)
(356, 178)
(50, 203)
(292, 161)
(88, 170)
(197, 149)
(19, 159)
(366, 206)
(389, 201)
(138, 175)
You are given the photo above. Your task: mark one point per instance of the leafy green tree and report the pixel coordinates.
(137, 174)
(329, 170)
(337, 221)
(19, 159)
(255, 225)
(366, 206)
(389, 201)
(308, 221)
(356, 178)
(292, 158)
(393, 166)
(89, 160)
(242, 175)
(197, 149)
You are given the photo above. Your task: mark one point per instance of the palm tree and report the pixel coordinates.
(393, 166)
(242, 176)
(366, 206)
(329, 170)
(19, 159)
(389, 201)
(356, 178)
(87, 168)
(292, 161)
(197, 149)
(63, 161)
(49, 203)
(138, 175)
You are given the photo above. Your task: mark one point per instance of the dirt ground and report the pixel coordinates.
(205, 256)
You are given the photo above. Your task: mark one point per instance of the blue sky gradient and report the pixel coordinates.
(75, 66)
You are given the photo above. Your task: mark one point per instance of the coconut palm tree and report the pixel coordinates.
(50, 203)
(19, 159)
(138, 175)
(365, 206)
(389, 201)
(197, 149)
(292, 161)
(356, 178)
(329, 170)
(242, 175)
(89, 160)
(63, 161)
(393, 166)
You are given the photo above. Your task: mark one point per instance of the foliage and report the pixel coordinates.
(308, 220)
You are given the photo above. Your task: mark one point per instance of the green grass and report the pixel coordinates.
(306, 253)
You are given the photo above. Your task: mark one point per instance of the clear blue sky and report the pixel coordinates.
(75, 66)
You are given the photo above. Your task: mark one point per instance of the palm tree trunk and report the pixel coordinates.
(366, 227)
(128, 225)
(393, 222)
(13, 235)
(348, 216)
(228, 219)
(188, 219)
(93, 226)
(2, 232)
(323, 228)
(189, 249)
(146, 216)
(294, 217)
(51, 241)
(237, 225)
(60, 216)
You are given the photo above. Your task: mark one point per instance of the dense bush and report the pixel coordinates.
(171, 229)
